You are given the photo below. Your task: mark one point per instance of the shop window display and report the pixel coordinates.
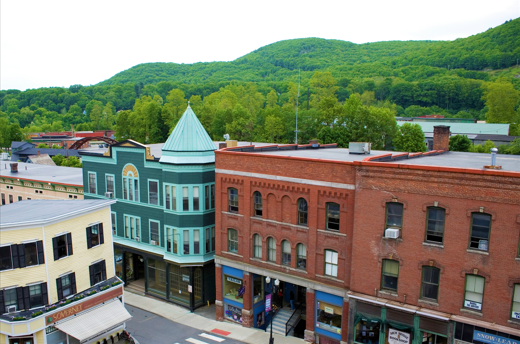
(233, 313)
(430, 338)
(329, 317)
(233, 288)
(367, 331)
(179, 281)
(258, 289)
(157, 276)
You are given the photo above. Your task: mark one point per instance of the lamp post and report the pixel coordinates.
(273, 292)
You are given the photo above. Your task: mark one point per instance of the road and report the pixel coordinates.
(149, 328)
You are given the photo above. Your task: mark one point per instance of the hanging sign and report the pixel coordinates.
(268, 303)
(398, 337)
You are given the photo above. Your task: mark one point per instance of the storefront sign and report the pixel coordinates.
(185, 278)
(473, 305)
(268, 303)
(190, 289)
(329, 310)
(398, 337)
(492, 339)
(233, 313)
(234, 280)
(515, 315)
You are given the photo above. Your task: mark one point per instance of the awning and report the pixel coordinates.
(95, 322)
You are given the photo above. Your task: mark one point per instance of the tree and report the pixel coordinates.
(174, 107)
(460, 143)
(54, 146)
(42, 145)
(5, 136)
(501, 99)
(410, 138)
(273, 128)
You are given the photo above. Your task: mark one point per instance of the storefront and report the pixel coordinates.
(259, 292)
(466, 333)
(233, 293)
(329, 312)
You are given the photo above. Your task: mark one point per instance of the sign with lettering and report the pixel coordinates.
(234, 280)
(473, 305)
(83, 304)
(515, 315)
(268, 303)
(329, 310)
(492, 339)
(398, 337)
(185, 278)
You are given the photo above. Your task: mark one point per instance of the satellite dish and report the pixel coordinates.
(226, 137)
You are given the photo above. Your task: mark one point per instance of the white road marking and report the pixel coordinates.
(215, 338)
(195, 341)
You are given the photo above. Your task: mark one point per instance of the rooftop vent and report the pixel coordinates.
(359, 147)
(493, 160)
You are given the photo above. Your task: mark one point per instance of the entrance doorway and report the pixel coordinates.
(134, 267)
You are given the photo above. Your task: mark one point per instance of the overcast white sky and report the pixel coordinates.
(61, 43)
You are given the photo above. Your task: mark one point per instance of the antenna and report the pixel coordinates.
(298, 96)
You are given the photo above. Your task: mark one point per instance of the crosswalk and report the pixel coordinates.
(205, 336)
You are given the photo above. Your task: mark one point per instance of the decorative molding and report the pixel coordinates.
(469, 250)
(430, 262)
(475, 271)
(391, 256)
(230, 180)
(437, 205)
(130, 168)
(394, 200)
(277, 186)
(149, 155)
(483, 210)
(512, 281)
(331, 233)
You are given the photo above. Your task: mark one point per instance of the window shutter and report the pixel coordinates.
(45, 298)
(89, 237)
(26, 298)
(14, 254)
(21, 255)
(91, 270)
(72, 278)
(69, 244)
(19, 297)
(41, 256)
(59, 286)
(55, 247)
(103, 271)
(101, 237)
(2, 303)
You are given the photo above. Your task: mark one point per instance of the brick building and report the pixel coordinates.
(375, 248)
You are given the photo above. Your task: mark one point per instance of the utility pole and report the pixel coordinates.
(298, 96)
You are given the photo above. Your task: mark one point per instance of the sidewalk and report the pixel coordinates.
(183, 316)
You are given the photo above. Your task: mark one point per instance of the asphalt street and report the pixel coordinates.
(149, 328)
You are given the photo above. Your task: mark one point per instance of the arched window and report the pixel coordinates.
(333, 216)
(301, 255)
(271, 250)
(257, 246)
(331, 263)
(233, 200)
(130, 183)
(257, 196)
(302, 212)
(286, 253)
(232, 240)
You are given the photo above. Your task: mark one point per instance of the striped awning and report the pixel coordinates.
(95, 322)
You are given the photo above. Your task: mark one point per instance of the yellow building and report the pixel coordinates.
(57, 274)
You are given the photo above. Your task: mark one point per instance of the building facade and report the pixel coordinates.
(57, 274)
(385, 248)
(163, 222)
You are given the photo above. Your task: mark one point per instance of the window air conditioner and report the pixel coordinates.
(10, 309)
(109, 195)
(392, 233)
(153, 242)
(137, 239)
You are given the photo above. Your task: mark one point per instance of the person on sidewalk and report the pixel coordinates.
(280, 297)
(291, 300)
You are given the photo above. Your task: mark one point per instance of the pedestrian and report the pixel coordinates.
(291, 300)
(280, 297)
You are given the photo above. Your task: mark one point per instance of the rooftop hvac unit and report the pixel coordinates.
(109, 195)
(359, 147)
(392, 233)
(10, 309)
(153, 242)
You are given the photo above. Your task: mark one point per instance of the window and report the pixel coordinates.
(170, 197)
(195, 198)
(3, 199)
(271, 250)
(62, 246)
(196, 241)
(175, 240)
(333, 216)
(10, 299)
(35, 296)
(185, 199)
(29, 198)
(232, 240)
(233, 200)
(331, 263)
(66, 285)
(98, 272)
(154, 232)
(394, 215)
(92, 182)
(258, 289)
(212, 196)
(19, 198)
(95, 235)
(132, 227)
(186, 237)
(301, 255)
(114, 223)
(257, 196)
(430, 282)
(208, 240)
(110, 183)
(480, 225)
(390, 275)
(6, 261)
(474, 292)
(286, 253)
(11, 198)
(515, 309)
(30, 254)
(213, 238)
(435, 225)
(206, 198)
(153, 192)
(169, 239)
(130, 183)
(302, 212)
(257, 246)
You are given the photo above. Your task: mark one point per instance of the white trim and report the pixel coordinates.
(287, 179)
(432, 316)
(65, 274)
(60, 234)
(365, 299)
(93, 223)
(97, 261)
(401, 308)
(6, 244)
(30, 241)
(34, 283)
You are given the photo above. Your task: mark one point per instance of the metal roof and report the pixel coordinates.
(44, 173)
(464, 128)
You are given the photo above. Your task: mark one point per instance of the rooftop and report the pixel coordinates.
(464, 128)
(39, 212)
(44, 173)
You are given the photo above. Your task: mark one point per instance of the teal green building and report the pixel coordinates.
(163, 222)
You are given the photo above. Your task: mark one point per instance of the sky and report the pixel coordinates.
(62, 43)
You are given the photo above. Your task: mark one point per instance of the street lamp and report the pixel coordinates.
(273, 292)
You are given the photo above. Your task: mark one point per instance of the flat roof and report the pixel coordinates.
(464, 128)
(44, 173)
(448, 159)
(38, 212)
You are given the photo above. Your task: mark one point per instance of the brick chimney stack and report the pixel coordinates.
(14, 167)
(441, 137)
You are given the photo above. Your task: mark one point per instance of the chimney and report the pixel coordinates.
(222, 145)
(38, 153)
(14, 167)
(441, 137)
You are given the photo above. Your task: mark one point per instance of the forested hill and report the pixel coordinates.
(496, 48)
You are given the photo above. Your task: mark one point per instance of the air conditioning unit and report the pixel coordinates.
(359, 147)
(137, 239)
(10, 309)
(109, 194)
(153, 242)
(392, 233)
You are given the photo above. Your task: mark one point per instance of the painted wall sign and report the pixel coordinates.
(473, 305)
(234, 280)
(492, 339)
(268, 303)
(398, 337)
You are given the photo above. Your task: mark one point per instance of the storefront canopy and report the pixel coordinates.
(96, 321)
